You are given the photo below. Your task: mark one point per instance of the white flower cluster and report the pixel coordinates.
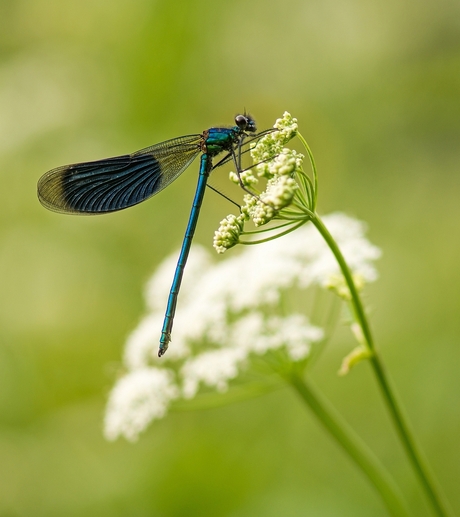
(136, 400)
(228, 314)
(273, 143)
(287, 125)
(228, 233)
(278, 194)
(278, 166)
(245, 178)
(285, 163)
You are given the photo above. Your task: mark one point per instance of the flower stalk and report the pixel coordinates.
(352, 445)
(419, 464)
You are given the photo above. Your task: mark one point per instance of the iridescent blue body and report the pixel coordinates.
(117, 183)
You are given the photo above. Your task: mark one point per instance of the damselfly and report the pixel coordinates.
(116, 183)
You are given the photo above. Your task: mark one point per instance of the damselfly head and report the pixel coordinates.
(246, 123)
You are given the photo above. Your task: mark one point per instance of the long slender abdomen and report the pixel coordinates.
(205, 168)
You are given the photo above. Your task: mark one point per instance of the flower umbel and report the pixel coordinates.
(229, 319)
(273, 143)
(138, 398)
(288, 194)
(229, 232)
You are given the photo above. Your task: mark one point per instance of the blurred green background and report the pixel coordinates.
(376, 89)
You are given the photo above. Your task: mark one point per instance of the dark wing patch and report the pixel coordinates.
(116, 183)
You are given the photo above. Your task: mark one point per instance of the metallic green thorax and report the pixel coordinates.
(219, 139)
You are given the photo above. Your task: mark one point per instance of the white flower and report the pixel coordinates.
(214, 369)
(228, 233)
(228, 314)
(245, 177)
(272, 144)
(256, 334)
(257, 210)
(138, 398)
(295, 333)
(279, 192)
(249, 334)
(286, 163)
(287, 126)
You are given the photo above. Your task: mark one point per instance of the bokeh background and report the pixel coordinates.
(376, 88)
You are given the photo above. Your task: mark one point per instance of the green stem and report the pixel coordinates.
(313, 168)
(353, 445)
(289, 230)
(432, 490)
(356, 300)
(419, 464)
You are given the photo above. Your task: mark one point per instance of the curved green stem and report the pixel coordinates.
(352, 445)
(285, 232)
(419, 464)
(432, 490)
(266, 230)
(313, 167)
(356, 300)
